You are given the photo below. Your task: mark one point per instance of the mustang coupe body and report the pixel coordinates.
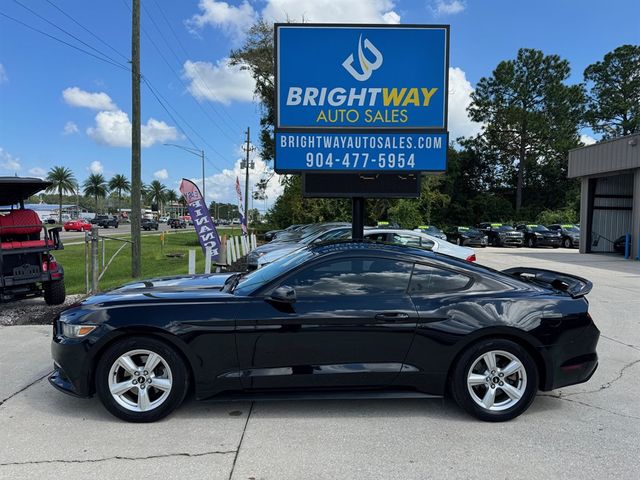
(339, 319)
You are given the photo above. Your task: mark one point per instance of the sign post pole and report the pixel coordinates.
(357, 221)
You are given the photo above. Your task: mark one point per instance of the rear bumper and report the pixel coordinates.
(574, 362)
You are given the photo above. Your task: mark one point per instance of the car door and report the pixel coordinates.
(351, 326)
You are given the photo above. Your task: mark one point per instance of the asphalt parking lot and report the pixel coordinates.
(586, 431)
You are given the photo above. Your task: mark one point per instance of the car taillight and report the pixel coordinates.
(471, 258)
(51, 264)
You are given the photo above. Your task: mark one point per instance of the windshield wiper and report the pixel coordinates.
(232, 281)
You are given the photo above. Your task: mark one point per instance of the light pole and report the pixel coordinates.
(197, 153)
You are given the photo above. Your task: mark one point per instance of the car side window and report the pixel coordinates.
(376, 237)
(429, 280)
(405, 239)
(354, 276)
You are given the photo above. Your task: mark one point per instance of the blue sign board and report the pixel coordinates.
(361, 77)
(356, 82)
(361, 152)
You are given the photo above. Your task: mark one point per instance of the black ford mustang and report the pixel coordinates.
(335, 320)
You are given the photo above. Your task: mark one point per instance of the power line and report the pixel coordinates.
(187, 55)
(87, 30)
(53, 37)
(67, 33)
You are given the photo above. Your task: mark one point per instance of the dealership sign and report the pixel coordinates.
(361, 97)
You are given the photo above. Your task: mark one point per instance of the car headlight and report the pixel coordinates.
(538, 234)
(76, 331)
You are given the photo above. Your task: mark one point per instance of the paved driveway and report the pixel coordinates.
(586, 431)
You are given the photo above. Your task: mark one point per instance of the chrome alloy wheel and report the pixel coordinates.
(497, 380)
(140, 380)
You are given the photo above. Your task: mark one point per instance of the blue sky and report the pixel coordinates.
(59, 106)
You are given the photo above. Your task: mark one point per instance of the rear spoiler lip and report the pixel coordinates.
(564, 282)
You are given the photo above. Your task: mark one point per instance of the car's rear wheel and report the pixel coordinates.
(495, 380)
(141, 379)
(54, 292)
(567, 243)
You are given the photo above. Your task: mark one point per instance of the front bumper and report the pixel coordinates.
(71, 366)
(512, 241)
(549, 242)
(475, 242)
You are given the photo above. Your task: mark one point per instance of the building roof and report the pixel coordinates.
(610, 156)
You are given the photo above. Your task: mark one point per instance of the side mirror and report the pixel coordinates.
(283, 294)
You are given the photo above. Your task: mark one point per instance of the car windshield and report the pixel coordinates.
(254, 280)
(539, 228)
(571, 228)
(505, 228)
(473, 231)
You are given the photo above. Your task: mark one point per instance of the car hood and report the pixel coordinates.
(181, 287)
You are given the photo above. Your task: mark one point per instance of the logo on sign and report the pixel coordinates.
(366, 67)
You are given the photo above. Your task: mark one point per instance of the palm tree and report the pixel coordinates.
(171, 196)
(119, 184)
(95, 186)
(157, 193)
(62, 181)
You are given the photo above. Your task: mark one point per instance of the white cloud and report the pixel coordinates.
(587, 139)
(220, 82)
(96, 167)
(460, 89)
(70, 128)
(3, 75)
(38, 172)
(221, 187)
(9, 162)
(114, 129)
(444, 7)
(96, 101)
(336, 11)
(162, 174)
(234, 21)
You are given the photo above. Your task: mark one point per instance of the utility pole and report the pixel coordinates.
(248, 149)
(136, 181)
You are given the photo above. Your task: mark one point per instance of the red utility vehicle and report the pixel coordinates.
(27, 266)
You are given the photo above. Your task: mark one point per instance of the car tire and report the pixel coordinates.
(458, 242)
(54, 292)
(123, 364)
(491, 400)
(495, 242)
(567, 243)
(531, 242)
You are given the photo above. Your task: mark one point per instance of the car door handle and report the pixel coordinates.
(392, 316)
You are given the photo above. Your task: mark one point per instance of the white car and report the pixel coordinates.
(388, 235)
(163, 219)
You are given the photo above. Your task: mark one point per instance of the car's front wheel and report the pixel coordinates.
(495, 380)
(141, 379)
(567, 243)
(531, 242)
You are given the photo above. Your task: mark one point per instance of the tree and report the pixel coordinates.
(62, 181)
(529, 114)
(613, 102)
(119, 184)
(157, 193)
(95, 186)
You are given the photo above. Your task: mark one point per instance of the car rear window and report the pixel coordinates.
(428, 280)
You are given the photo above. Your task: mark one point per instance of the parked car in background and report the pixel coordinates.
(105, 221)
(352, 318)
(539, 236)
(177, 223)
(163, 219)
(501, 235)
(467, 236)
(569, 233)
(78, 225)
(432, 230)
(27, 264)
(149, 224)
(619, 244)
(270, 235)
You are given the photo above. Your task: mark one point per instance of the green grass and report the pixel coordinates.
(154, 260)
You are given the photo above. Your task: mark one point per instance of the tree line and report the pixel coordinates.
(515, 169)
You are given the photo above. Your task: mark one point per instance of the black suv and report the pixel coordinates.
(149, 224)
(539, 236)
(27, 266)
(105, 221)
(501, 235)
(569, 233)
(177, 223)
